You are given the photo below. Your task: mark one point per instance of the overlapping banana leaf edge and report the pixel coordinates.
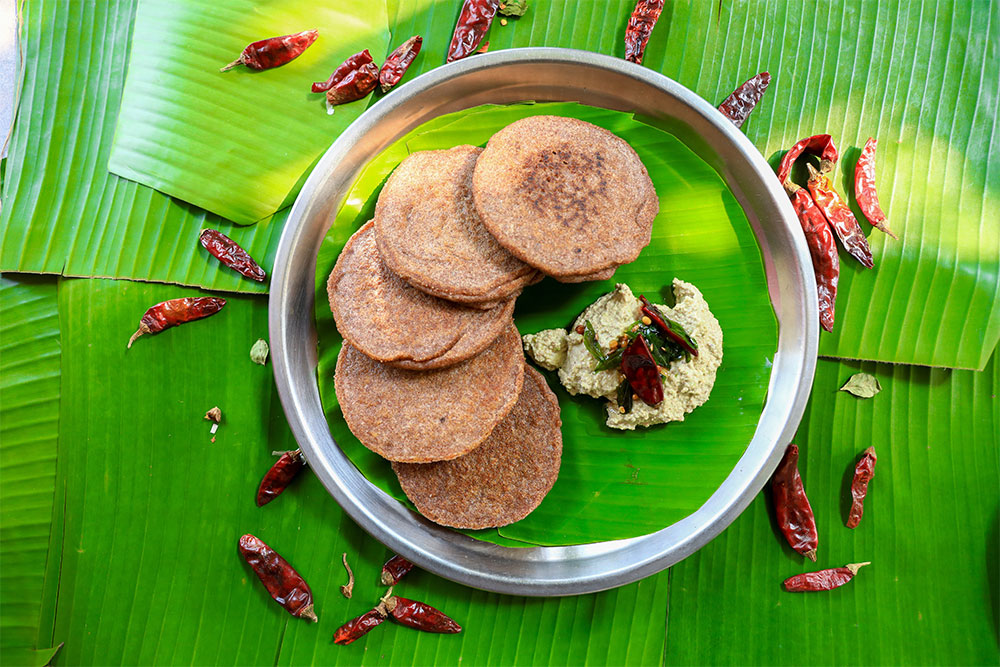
(852, 69)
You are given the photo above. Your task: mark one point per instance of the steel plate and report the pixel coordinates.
(557, 75)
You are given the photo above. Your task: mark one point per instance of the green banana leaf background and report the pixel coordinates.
(701, 236)
(29, 430)
(119, 516)
(255, 133)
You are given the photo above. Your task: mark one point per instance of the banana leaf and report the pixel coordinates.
(921, 77)
(930, 528)
(63, 212)
(29, 426)
(701, 236)
(146, 564)
(255, 132)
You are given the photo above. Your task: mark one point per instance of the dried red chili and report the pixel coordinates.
(640, 27)
(277, 479)
(824, 580)
(863, 473)
(357, 84)
(419, 615)
(353, 79)
(795, 516)
(473, 22)
(274, 51)
(641, 371)
(358, 627)
(395, 569)
(281, 580)
(396, 64)
(231, 254)
(411, 613)
(354, 62)
(820, 145)
(822, 249)
(864, 187)
(668, 327)
(174, 312)
(741, 102)
(838, 213)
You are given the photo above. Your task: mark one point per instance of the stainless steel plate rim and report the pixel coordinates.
(542, 74)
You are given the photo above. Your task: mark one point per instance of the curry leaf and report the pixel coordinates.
(590, 341)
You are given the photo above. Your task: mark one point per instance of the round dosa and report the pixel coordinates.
(380, 314)
(421, 416)
(430, 234)
(502, 480)
(565, 196)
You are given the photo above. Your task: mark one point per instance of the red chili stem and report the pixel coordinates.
(420, 616)
(823, 580)
(347, 590)
(839, 214)
(473, 22)
(359, 59)
(277, 479)
(395, 569)
(863, 473)
(741, 102)
(795, 515)
(822, 249)
(641, 371)
(281, 580)
(174, 312)
(274, 51)
(864, 187)
(231, 254)
(640, 27)
(358, 627)
(820, 145)
(396, 64)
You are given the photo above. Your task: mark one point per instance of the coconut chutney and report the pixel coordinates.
(687, 382)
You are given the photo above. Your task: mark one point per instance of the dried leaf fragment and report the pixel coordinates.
(214, 415)
(513, 7)
(259, 352)
(862, 385)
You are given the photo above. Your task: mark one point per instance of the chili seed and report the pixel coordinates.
(646, 320)
(503, 21)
